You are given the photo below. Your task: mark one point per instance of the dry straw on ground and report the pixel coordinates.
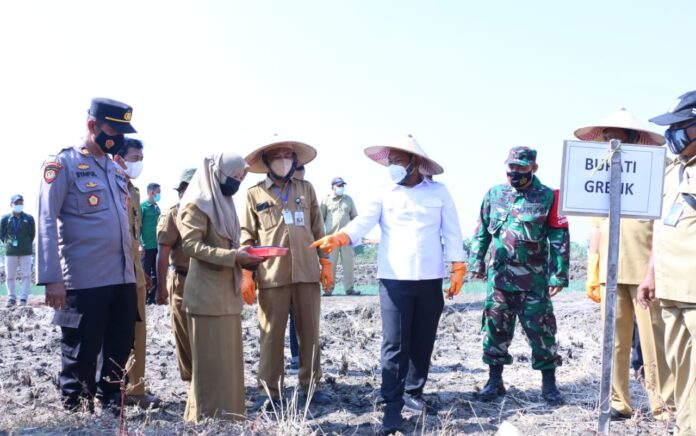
(351, 335)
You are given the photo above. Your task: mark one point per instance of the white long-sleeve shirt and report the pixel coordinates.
(415, 222)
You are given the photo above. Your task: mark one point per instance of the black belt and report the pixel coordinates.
(181, 272)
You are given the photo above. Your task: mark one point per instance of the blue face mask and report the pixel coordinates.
(678, 139)
(157, 198)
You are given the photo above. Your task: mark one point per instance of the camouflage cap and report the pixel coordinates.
(521, 156)
(186, 177)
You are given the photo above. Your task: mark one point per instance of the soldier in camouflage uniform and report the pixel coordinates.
(528, 265)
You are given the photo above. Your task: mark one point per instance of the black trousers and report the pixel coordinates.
(95, 320)
(150, 268)
(410, 314)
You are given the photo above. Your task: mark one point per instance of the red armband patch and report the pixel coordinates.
(555, 220)
(51, 170)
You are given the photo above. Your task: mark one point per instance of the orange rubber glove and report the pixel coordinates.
(248, 286)
(329, 243)
(592, 283)
(458, 273)
(327, 278)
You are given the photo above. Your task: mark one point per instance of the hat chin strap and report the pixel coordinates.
(272, 173)
(409, 170)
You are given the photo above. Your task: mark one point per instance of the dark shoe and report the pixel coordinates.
(110, 403)
(11, 302)
(352, 291)
(144, 401)
(23, 302)
(494, 387)
(615, 415)
(549, 391)
(417, 404)
(391, 423)
(319, 398)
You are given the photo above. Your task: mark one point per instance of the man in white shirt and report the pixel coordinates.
(416, 217)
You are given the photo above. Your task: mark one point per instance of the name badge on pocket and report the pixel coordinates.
(299, 218)
(287, 216)
(674, 214)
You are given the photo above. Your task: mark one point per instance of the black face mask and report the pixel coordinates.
(518, 179)
(678, 139)
(109, 144)
(230, 187)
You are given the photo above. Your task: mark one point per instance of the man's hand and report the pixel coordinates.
(646, 292)
(327, 278)
(248, 287)
(245, 259)
(553, 290)
(478, 275)
(55, 295)
(162, 293)
(458, 273)
(329, 243)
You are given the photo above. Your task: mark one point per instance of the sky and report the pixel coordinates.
(468, 80)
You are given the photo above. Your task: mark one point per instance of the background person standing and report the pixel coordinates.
(338, 209)
(17, 232)
(150, 213)
(173, 264)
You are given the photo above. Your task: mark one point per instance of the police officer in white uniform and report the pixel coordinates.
(84, 256)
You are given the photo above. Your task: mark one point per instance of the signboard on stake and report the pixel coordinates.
(620, 181)
(585, 182)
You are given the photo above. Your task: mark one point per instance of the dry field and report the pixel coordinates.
(29, 362)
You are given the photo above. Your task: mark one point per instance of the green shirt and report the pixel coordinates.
(17, 233)
(530, 243)
(148, 231)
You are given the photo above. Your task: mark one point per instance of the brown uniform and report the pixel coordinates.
(338, 211)
(136, 376)
(635, 243)
(286, 282)
(213, 304)
(168, 234)
(675, 287)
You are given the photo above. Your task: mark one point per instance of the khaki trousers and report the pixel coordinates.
(347, 261)
(274, 305)
(175, 286)
(136, 376)
(659, 382)
(680, 338)
(217, 378)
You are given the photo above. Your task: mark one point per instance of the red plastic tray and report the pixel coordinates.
(268, 251)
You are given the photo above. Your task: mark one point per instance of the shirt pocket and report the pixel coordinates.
(91, 196)
(496, 221)
(270, 217)
(530, 252)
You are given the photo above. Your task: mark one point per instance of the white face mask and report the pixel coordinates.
(397, 173)
(17, 208)
(340, 190)
(281, 166)
(133, 169)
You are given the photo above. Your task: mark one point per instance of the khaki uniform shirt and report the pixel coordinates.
(264, 224)
(635, 243)
(168, 234)
(337, 211)
(675, 246)
(135, 220)
(213, 281)
(83, 235)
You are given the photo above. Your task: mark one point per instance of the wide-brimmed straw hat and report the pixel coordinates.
(380, 154)
(305, 154)
(621, 119)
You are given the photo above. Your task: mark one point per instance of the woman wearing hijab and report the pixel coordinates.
(212, 300)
